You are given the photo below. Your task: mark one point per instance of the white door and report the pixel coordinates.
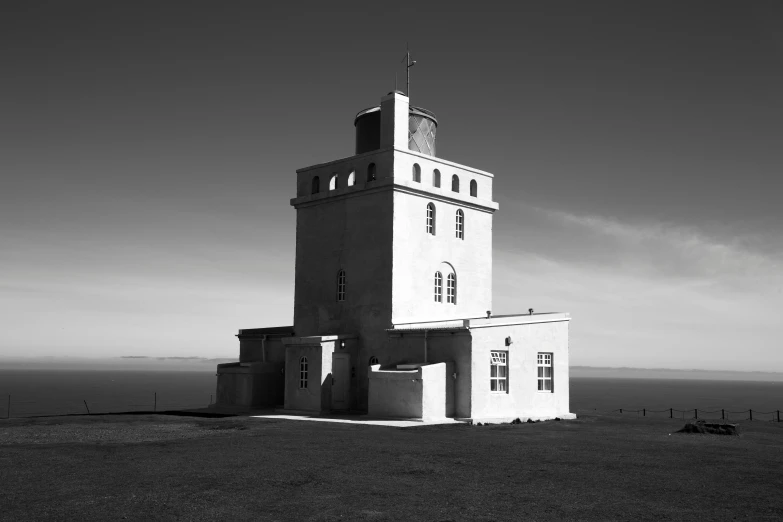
(341, 381)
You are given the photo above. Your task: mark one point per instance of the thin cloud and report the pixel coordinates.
(677, 251)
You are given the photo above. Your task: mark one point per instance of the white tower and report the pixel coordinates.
(374, 229)
(392, 234)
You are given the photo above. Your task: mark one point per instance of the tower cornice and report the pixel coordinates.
(424, 157)
(390, 184)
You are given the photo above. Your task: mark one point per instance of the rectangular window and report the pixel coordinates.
(438, 287)
(545, 372)
(498, 372)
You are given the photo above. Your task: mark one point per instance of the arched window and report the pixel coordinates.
(351, 178)
(316, 185)
(371, 172)
(333, 182)
(416, 173)
(373, 360)
(451, 289)
(341, 285)
(473, 188)
(303, 373)
(438, 287)
(454, 183)
(460, 224)
(430, 218)
(436, 178)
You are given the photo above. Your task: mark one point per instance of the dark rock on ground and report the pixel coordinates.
(710, 427)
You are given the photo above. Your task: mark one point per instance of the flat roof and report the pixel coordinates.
(482, 322)
(272, 330)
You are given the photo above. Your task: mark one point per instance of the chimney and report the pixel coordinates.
(394, 121)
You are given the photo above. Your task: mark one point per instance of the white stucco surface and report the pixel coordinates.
(426, 392)
(522, 399)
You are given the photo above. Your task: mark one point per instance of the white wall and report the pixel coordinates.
(425, 393)
(403, 171)
(349, 233)
(418, 255)
(442, 347)
(437, 390)
(523, 398)
(317, 396)
(395, 393)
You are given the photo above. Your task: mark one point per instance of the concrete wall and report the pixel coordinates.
(438, 390)
(395, 393)
(442, 346)
(353, 234)
(403, 171)
(317, 396)
(418, 255)
(522, 398)
(255, 385)
(425, 393)
(252, 348)
(234, 386)
(384, 169)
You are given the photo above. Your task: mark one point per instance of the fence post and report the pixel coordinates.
(644, 412)
(671, 413)
(621, 410)
(695, 413)
(751, 414)
(722, 417)
(88, 408)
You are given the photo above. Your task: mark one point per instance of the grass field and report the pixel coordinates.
(598, 467)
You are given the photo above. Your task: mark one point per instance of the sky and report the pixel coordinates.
(148, 154)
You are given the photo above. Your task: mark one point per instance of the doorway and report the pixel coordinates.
(341, 381)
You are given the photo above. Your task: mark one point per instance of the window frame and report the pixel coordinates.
(544, 361)
(436, 178)
(315, 185)
(430, 223)
(372, 172)
(498, 359)
(375, 359)
(351, 178)
(334, 182)
(473, 188)
(455, 183)
(438, 287)
(451, 288)
(303, 373)
(341, 285)
(460, 224)
(416, 173)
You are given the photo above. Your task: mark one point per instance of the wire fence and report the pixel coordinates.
(725, 415)
(21, 408)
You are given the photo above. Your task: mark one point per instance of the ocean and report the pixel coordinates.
(683, 395)
(56, 392)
